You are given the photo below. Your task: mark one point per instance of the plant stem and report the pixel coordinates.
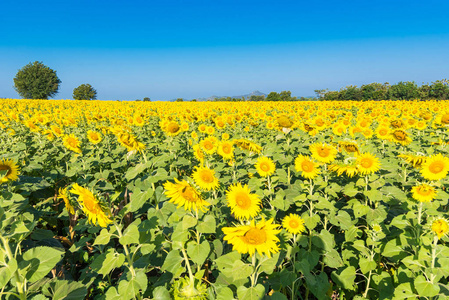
(125, 248)
(21, 288)
(434, 256)
(189, 269)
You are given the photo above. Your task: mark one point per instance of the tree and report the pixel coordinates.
(84, 92)
(404, 91)
(285, 96)
(273, 96)
(36, 81)
(146, 99)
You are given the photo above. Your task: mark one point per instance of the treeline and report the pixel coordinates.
(273, 96)
(404, 90)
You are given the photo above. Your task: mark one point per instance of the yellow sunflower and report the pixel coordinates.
(9, 171)
(323, 152)
(205, 178)
(65, 196)
(182, 193)
(307, 167)
(435, 167)
(350, 169)
(209, 145)
(225, 149)
(265, 166)
(293, 223)
(199, 154)
(91, 206)
(383, 132)
(415, 160)
(260, 237)
(367, 163)
(72, 143)
(243, 204)
(423, 193)
(401, 137)
(245, 144)
(440, 227)
(94, 137)
(350, 147)
(172, 128)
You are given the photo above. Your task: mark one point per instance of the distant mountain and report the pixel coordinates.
(255, 93)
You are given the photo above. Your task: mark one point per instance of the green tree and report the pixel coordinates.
(407, 90)
(146, 99)
(84, 92)
(439, 90)
(36, 81)
(285, 96)
(273, 96)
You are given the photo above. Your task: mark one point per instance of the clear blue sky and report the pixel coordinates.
(167, 49)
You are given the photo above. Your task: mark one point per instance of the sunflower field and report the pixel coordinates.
(224, 200)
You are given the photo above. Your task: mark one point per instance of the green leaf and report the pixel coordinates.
(103, 238)
(6, 273)
(112, 294)
(404, 291)
(269, 264)
(133, 172)
(107, 262)
(392, 249)
(426, 288)
(278, 296)
(208, 225)
(198, 252)
(332, 259)
(66, 290)
(138, 199)
(38, 262)
(367, 264)
(161, 293)
(345, 278)
(188, 222)
(172, 261)
(130, 236)
(128, 289)
(224, 293)
(253, 293)
(350, 190)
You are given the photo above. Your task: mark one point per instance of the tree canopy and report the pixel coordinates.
(36, 81)
(84, 92)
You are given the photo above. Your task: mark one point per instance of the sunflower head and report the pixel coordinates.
(205, 178)
(367, 163)
(243, 204)
(440, 227)
(308, 168)
(265, 166)
(423, 193)
(436, 167)
(293, 223)
(184, 194)
(323, 153)
(9, 170)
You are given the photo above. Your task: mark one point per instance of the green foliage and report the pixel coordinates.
(84, 92)
(36, 81)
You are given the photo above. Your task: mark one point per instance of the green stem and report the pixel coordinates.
(434, 256)
(189, 269)
(21, 288)
(125, 248)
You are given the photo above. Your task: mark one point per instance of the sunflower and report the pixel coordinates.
(182, 193)
(350, 169)
(138, 120)
(415, 160)
(71, 142)
(401, 137)
(265, 166)
(260, 237)
(350, 147)
(367, 163)
(323, 153)
(383, 132)
(172, 128)
(284, 121)
(65, 196)
(293, 223)
(209, 145)
(225, 149)
(9, 171)
(205, 178)
(245, 144)
(57, 130)
(94, 137)
(202, 128)
(225, 136)
(243, 204)
(308, 167)
(199, 154)
(440, 227)
(435, 167)
(423, 193)
(91, 206)
(210, 130)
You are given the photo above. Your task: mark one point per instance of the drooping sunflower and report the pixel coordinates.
(293, 223)
(205, 178)
(94, 137)
(243, 204)
(350, 147)
(307, 167)
(198, 153)
(348, 169)
(265, 166)
(436, 167)
(9, 171)
(72, 143)
(440, 227)
(367, 163)
(323, 153)
(225, 149)
(415, 160)
(260, 237)
(423, 193)
(91, 206)
(182, 193)
(401, 137)
(64, 195)
(245, 144)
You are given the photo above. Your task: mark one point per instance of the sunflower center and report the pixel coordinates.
(307, 166)
(208, 145)
(383, 131)
(242, 200)
(72, 142)
(207, 177)
(94, 136)
(264, 167)
(293, 224)
(400, 135)
(366, 162)
(90, 204)
(226, 149)
(424, 191)
(188, 194)
(6, 168)
(440, 227)
(445, 119)
(323, 152)
(173, 127)
(436, 167)
(255, 236)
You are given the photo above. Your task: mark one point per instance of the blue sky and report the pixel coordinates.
(168, 49)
